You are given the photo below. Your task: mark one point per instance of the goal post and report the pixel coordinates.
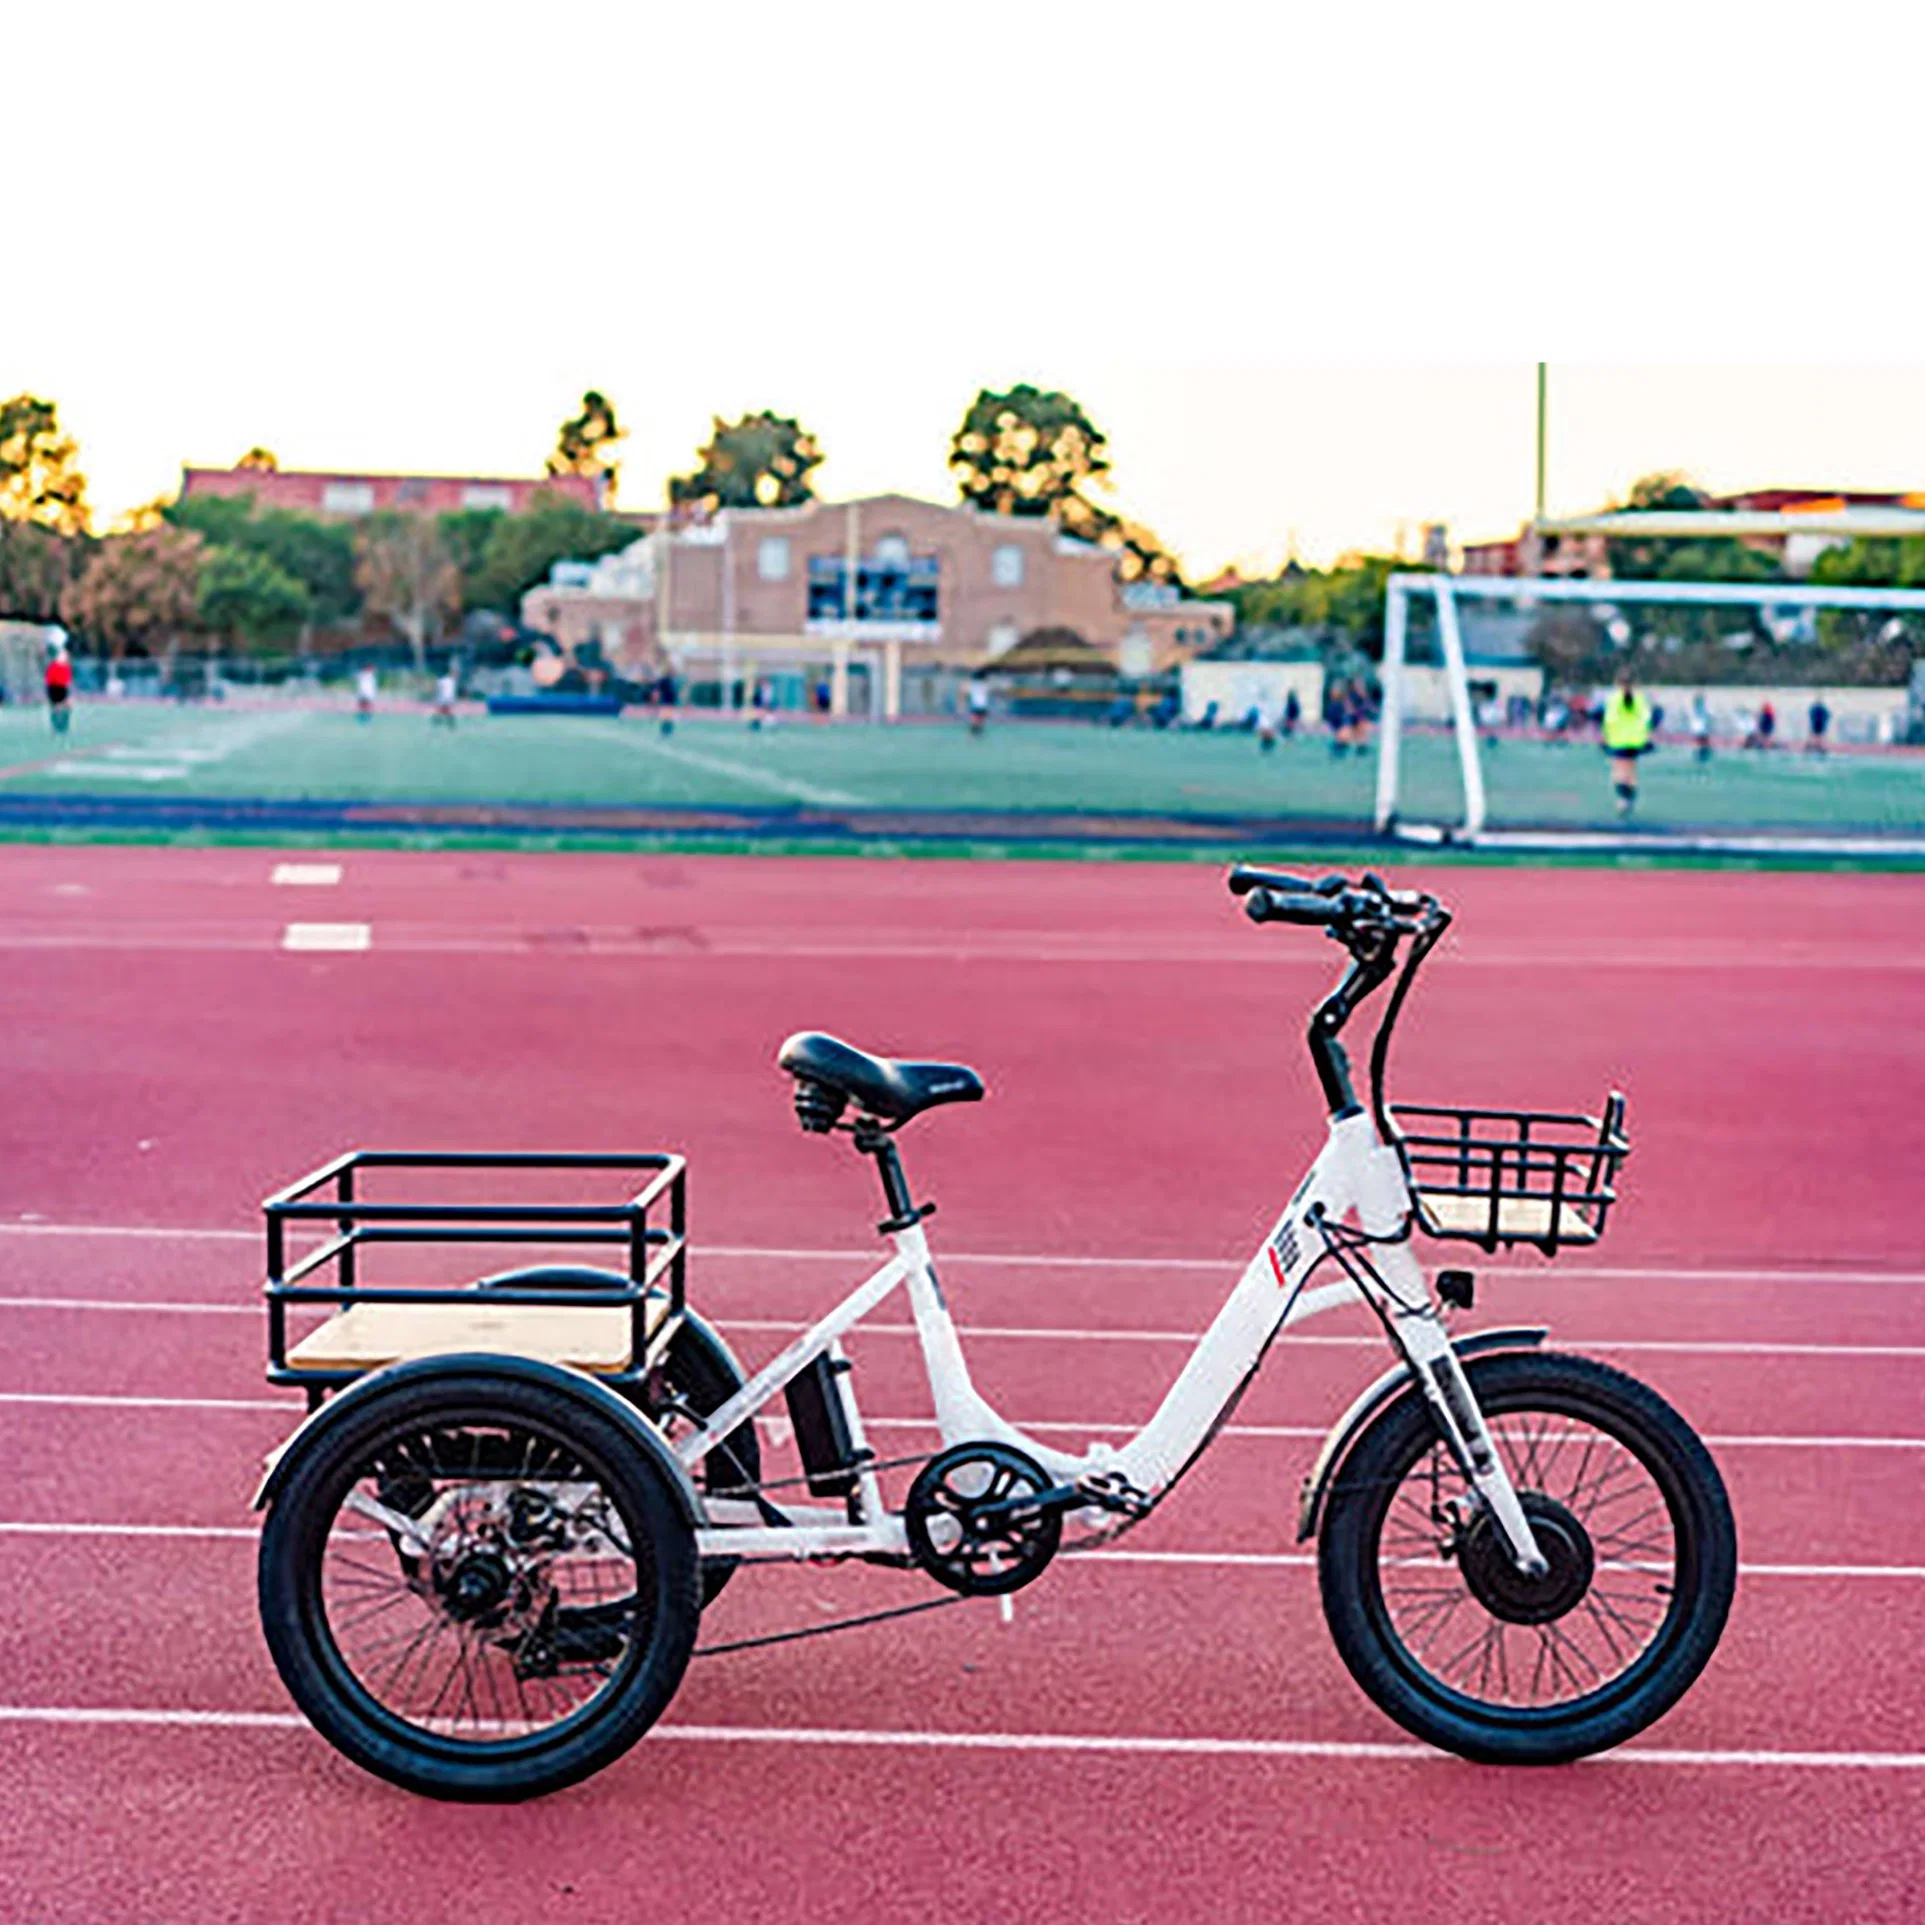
(1874, 793)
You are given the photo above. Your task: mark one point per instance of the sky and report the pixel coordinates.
(1297, 263)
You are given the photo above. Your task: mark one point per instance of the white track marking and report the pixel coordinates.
(1035, 1333)
(327, 935)
(1205, 1560)
(1227, 1267)
(804, 1737)
(744, 772)
(93, 1400)
(305, 875)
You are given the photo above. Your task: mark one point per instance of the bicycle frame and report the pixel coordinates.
(1356, 1173)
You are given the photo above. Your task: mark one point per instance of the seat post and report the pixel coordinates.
(873, 1140)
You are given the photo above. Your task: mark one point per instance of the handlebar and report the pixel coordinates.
(1371, 921)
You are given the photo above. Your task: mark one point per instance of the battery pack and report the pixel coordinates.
(821, 1423)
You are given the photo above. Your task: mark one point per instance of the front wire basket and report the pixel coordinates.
(1502, 1177)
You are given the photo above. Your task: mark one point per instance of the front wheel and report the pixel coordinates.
(1441, 1630)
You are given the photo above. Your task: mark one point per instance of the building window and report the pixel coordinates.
(347, 498)
(1000, 640)
(772, 558)
(484, 498)
(1006, 566)
(890, 587)
(893, 551)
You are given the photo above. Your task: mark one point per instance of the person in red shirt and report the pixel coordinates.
(60, 684)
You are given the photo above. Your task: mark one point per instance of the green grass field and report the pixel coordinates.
(278, 754)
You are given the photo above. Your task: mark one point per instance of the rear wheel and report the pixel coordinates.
(479, 1587)
(1436, 1623)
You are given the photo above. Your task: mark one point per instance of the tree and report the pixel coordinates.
(586, 440)
(761, 461)
(407, 575)
(243, 595)
(520, 549)
(1027, 452)
(35, 566)
(1035, 452)
(137, 590)
(1343, 604)
(40, 478)
(318, 554)
(259, 460)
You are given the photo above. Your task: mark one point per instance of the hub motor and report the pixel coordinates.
(1505, 1591)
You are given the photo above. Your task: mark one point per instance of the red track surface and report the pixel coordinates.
(168, 1064)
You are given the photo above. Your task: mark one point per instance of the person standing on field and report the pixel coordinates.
(1626, 730)
(60, 686)
(1700, 727)
(444, 700)
(364, 687)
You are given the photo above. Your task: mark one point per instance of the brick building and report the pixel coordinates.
(1534, 551)
(882, 599)
(343, 497)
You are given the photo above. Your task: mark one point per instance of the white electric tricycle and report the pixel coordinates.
(488, 1548)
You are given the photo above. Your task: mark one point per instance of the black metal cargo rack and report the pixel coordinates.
(1491, 1177)
(651, 1287)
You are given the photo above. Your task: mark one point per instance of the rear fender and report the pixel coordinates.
(573, 1384)
(1349, 1427)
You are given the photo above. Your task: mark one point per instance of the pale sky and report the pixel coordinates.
(1296, 262)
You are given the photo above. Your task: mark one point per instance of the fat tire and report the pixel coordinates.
(1707, 1564)
(341, 1709)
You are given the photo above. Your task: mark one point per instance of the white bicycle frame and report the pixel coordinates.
(1355, 1173)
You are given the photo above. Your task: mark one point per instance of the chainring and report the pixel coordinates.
(974, 1523)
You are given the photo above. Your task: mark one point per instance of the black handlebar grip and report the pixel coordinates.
(1243, 879)
(1265, 905)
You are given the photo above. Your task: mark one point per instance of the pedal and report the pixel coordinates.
(1112, 1491)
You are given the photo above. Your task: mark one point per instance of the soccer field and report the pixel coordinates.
(312, 754)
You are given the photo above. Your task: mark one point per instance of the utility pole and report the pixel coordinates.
(1541, 384)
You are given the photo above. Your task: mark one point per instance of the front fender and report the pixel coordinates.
(1344, 1432)
(574, 1384)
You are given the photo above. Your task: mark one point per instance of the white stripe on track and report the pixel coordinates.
(781, 1326)
(1227, 1267)
(1096, 1743)
(89, 1400)
(1206, 1560)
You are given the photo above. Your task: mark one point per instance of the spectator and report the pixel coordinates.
(1700, 725)
(1818, 721)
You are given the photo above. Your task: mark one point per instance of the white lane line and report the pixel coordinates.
(1317, 1432)
(89, 1400)
(744, 772)
(1226, 1266)
(326, 935)
(1038, 1333)
(803, 1737)
(1206, 1560)
(305, 875)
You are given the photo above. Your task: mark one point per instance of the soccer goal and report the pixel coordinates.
(1784, 713)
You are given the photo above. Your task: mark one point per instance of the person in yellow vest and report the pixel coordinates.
(1627, 735)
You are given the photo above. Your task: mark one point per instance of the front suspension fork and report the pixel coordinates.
(1420, 1335)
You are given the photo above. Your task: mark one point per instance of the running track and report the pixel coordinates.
(1160, 1734)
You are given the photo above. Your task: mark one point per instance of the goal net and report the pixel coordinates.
(1780, 713)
